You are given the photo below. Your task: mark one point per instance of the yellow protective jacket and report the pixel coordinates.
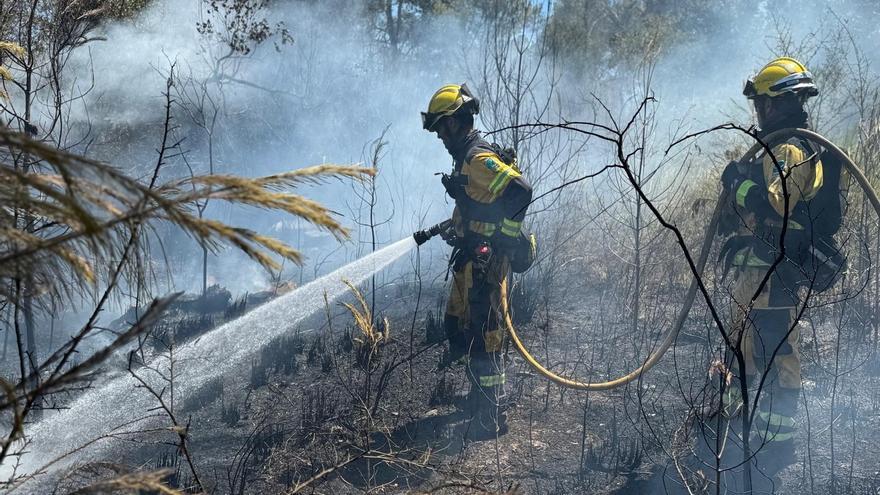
(491, 196)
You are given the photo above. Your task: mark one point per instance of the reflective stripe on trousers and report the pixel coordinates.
(773, 427)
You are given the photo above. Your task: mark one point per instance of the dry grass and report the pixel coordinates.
(140, 482)
(371, 337)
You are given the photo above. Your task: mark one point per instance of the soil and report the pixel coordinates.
(307, 419)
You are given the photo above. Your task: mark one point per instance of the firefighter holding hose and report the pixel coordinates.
(491, 197)
(784, 208)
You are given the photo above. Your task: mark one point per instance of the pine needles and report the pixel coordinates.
(84, 209)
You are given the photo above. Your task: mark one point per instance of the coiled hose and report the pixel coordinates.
(708, 238)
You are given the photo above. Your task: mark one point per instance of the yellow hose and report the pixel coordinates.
(709, 235)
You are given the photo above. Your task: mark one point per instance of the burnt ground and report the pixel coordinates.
(308, 416)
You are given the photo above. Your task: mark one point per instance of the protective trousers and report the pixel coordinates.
(473, 325)
(769, 344)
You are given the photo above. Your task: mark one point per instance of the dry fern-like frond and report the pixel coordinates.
(8, 48)
(312, 174)
(14, 49)
(5, 75)
(86, 210)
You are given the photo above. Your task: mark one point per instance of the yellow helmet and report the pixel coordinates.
(780, 76)
(449, 100)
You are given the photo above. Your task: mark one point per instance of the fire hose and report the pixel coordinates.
(700, 264)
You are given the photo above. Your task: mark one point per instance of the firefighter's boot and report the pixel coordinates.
(773, 441)
(488, 420)
(774, 430)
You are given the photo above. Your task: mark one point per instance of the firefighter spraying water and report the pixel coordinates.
(491, 197)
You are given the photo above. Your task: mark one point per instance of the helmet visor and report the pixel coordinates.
(429, 120)
(749, 90)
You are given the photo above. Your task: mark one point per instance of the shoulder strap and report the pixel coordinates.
(830, 201)
(478, 147)
(507, 155)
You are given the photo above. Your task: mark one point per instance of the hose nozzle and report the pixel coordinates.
(422, 236)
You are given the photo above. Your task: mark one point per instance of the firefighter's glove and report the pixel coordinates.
(731, 176)
(450, 185)
(449, 236)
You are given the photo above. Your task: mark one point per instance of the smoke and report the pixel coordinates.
(324, 98)
(332, 93)
(335, 90)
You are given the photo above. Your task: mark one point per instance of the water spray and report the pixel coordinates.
(86, 428)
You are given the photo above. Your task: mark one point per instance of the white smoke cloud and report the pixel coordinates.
(332, 92)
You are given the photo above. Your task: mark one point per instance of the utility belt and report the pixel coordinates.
(471, 248)
(480, 250)
(811, 260)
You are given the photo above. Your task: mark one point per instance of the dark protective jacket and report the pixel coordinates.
(491, 196)
(761, 200)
